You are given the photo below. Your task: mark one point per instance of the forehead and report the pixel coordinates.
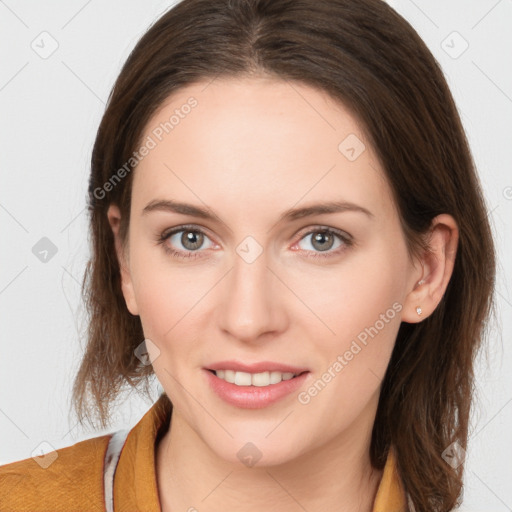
(258, 142)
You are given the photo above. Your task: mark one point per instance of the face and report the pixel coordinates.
(318, 292)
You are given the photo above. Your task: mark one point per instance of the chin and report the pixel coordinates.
(256, 451)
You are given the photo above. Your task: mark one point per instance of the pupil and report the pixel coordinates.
(322, 237)
(192, 240)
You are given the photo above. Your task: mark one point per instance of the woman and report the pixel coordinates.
(279, 236)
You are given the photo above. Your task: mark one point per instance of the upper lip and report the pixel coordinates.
(256, 367)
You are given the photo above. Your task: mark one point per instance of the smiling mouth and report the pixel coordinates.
(261, 379)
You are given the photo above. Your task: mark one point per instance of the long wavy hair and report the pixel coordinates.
(363, 54)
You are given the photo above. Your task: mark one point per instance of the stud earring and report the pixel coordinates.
(418, 310)
(421, 282)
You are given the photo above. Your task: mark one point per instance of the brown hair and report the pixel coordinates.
(365, 55)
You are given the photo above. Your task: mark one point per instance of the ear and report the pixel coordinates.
(114, 219)
(435, 270)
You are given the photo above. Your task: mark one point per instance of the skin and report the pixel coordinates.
(251, 149)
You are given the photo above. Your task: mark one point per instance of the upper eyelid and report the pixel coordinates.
(185, 227)
(320, 227)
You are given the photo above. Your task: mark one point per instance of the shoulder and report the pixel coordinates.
(69, 478)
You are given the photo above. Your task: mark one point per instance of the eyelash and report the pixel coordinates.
(347, 242)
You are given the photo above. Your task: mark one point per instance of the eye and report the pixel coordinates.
(187, 239)
(323, 240)
(185, 242)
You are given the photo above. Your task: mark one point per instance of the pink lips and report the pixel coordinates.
(254, 397)
(261, 366)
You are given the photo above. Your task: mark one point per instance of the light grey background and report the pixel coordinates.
(51, 106)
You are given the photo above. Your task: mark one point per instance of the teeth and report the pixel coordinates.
(253, 379)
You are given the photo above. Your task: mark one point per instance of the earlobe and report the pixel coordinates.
(114, 219)
(437, 267)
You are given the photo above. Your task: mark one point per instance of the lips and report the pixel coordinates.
(254, 385)
(256, 367)
(251, 396)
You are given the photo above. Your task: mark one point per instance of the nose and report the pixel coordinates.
(253, 301)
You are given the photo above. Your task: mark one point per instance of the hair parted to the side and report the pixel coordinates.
(365, 55)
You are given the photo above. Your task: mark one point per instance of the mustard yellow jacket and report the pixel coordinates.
(74, 480)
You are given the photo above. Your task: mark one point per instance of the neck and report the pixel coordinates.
(336, 476)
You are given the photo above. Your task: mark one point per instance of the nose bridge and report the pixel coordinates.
(251, 305)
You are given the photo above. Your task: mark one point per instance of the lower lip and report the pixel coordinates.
(254, 397)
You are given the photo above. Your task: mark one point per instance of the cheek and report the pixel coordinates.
(353, 295)
(374, 313)
(156, 289)
(361, 305)
(167, 294)
(354, 363)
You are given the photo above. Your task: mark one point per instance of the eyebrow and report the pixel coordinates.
(169, 205)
